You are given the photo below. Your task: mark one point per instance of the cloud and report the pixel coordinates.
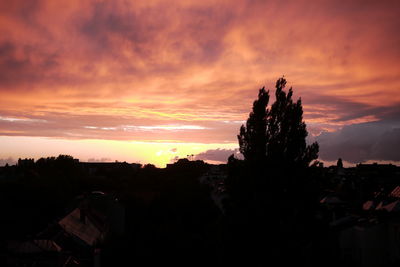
(385, 147)
(99, 160)
(9, 161)
(218, 155)
(362, 142)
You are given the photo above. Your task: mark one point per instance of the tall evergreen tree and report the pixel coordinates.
(271, 195)
(277, 136)
(252, 141)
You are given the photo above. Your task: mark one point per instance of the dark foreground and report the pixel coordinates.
(61, 212)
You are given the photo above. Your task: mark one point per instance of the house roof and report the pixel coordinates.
(88, 231)
(396, 192)
(393, 206)
(368, 205)
(47, 245)
(331, 200)
(34, 246)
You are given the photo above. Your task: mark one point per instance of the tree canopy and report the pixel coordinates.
(276, 154)
(271, 191)
(276, 136)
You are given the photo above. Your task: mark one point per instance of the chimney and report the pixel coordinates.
(83, 208)
(82, 215)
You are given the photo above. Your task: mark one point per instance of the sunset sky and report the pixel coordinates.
(152, 81)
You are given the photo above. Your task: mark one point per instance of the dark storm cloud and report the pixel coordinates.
(193, 34)
(339, 109)
(361, 142)
(220, 155)
(21, 64)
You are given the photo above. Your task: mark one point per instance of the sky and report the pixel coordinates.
(153, 81)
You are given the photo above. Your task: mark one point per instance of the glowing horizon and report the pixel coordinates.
(157, 153)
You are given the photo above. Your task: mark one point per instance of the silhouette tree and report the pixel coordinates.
(273, 143)
(272, 176)
(277, 136)
(339, 163)
(252, 137)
